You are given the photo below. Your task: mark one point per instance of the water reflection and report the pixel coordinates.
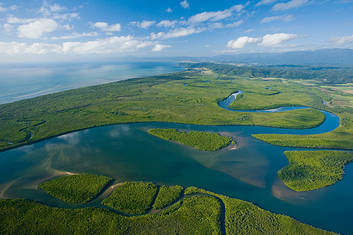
(128, 152)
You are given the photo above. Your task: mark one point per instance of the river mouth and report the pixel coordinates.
(126, 152)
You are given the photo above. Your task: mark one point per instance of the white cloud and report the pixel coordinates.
(102, 46)
(284, 18)
(219, 25)
(46, 9)
(159, 47)
(198, 23)
(66, 16)
(214, 15)
(169, 10)
(185, 4)
(235, 24)
(156, 35)
(56, 8)
(68, 27)
(144, 44)
(343, 40)
(274, 40)
(12, 48)
(269, 40)
(7, 27)
(15, 20)
(289, 5)
(265, 2)
(178, 32)
(36, 28)
(104, 26)
(167, 23)
(3, 9)
(111, 45)
(75, 35)
(145, 24)
(242, 42)
(13, 7)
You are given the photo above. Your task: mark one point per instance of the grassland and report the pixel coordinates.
(132, 198)
(167, 195)
(76, 188)
(199, 212)
(310, 170)
(205, 141)
(274, 98)
(161, 98)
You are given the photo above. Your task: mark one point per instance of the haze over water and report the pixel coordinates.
(26, 81)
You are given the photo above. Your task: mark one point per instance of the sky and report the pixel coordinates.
(70, 30)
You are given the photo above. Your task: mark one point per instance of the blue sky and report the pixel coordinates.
(66, 29)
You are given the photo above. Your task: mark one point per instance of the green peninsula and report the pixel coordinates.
(310, 170)
(76, 188)
(205, 141)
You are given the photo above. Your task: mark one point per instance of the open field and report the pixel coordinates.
(260, 101)
(76, 188)
(205, 141)
(310, 170)
(186, 97)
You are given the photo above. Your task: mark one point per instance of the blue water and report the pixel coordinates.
(128, 152)
(27, 81)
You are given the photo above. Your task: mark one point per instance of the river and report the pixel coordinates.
(127, 152)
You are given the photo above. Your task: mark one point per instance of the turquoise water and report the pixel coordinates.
(128, 152)
(26, 81)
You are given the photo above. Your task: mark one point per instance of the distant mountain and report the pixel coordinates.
(322, 74)
(338, 57)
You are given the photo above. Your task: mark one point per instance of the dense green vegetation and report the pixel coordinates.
(328, 74)
(310, 170)
(245, 218)
(201, 140)
(76, 188)
(167, 195)
(341, 138)
(196, 215)
(161, 98)
(200, 212)
(132, 197)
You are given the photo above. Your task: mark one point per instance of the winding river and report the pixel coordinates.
(128, 152)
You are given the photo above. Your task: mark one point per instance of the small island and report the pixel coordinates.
(76, 189)
(310, 170)
(201, 140)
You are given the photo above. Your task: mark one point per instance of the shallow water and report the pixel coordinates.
(128, 152)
